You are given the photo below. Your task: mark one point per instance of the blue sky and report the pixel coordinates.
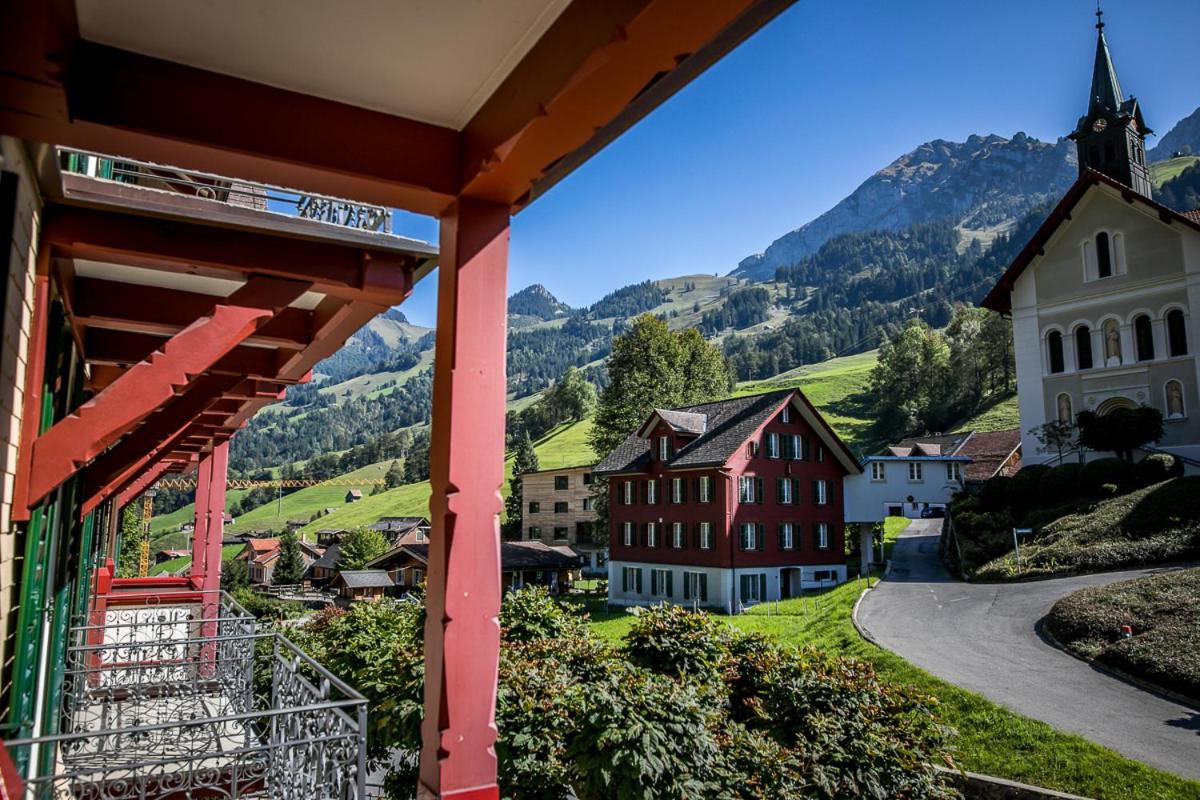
(812, 105)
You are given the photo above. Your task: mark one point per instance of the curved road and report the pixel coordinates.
(983, 637)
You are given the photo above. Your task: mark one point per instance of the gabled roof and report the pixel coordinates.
(989, 451)
(942, 444)
(364, 579)
(329, 558)
(1000, 297)
(681, 421)
(729, 424)
(397, 523)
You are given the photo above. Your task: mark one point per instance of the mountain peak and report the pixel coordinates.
(537, 301)
(981, 183)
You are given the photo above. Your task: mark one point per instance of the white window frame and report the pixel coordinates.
(627, 534)
(822, 492)
(746, 489)
(652, 491)
(787, 496)
(822, 535)
(658, 582)
(755, 582)
(676, 490)
(678, 534)
(785, 416)
(706, 536)
(627, 494)
(953, 471)
(705, 489)
(749, 536)
(878, 472)
(691, 587)
(652, 534)
(916, 472)
(772, 445)
(797, 447)
(787, 536)
(664, 448)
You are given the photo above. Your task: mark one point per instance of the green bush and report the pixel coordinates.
(530, 614)
(1109, 490)
(722, 714)
(1059, 484)
(1160, 609)
(1156, 468)
(982, 536)
(995, 495)
(1105, 470)
(1027, 482)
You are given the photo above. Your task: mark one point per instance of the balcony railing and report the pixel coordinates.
(230, 191)
(185, 699)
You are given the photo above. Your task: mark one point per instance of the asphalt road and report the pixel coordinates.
(983, 637)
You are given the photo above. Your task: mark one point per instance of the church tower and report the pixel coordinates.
(1111, 137)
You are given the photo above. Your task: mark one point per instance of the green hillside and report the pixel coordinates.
(1163, 171)
(564, 446)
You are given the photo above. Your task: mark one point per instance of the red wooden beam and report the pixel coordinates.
(462, 632)
(348, 272)
(122, 348)
(150, 309)
(140, 483)
(159, 428)
(90, 429)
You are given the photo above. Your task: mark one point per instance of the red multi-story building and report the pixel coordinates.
(727, 504)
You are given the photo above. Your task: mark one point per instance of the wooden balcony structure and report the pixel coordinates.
(188, 316)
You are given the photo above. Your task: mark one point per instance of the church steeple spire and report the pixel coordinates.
(1106, 89)
(1111, 137)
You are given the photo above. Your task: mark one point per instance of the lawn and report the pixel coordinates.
(990, 739)
(1161, 611)
(1001, 416)
(304, 503)
(1163, 171)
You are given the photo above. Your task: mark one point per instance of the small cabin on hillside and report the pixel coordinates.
(354, 495)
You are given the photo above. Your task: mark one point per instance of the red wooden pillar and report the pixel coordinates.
(219, 472)
(200, 530)
(466, 459)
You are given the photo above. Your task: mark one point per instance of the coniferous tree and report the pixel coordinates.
(525, 461)
(394, 476)
(289, 569)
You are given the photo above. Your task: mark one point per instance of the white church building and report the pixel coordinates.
(1101, 297)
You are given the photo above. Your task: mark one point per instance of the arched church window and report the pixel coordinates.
(1176, 333)
(1083, 347)
(1143, 335)
(1055, 342)
(1103, 255)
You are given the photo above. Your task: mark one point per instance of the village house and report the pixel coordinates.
(727, 504)
(1101, 296)
(361, 585)
(402, 530)
(521, 564)
(917, 476)
(322, 570)
(354, 495)
(559, 510)
(261, 556)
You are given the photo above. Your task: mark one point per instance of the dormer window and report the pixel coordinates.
(772, 445)
(785, 416)
(664, 448)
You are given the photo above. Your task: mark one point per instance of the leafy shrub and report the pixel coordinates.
(1025, 484)
(995, 493)
(1161, 609)
(721, 715)
(982, 536)
(1155, 468)
(1120, 431)
(674, 641)
(263, 606)
(1059, 484)
(1105, 470)
(1109, 490)
(530, 614)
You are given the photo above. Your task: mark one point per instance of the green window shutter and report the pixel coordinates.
(760, 540)
(687, 586)
(758, 490)
(703, 587)
(762, 586)
(780, 532)
(670, 588)
(639, 579)
(625, 579)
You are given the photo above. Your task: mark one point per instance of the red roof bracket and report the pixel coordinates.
(83, 435)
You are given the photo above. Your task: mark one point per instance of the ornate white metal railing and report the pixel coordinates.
(188, 700)
(231, 191)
